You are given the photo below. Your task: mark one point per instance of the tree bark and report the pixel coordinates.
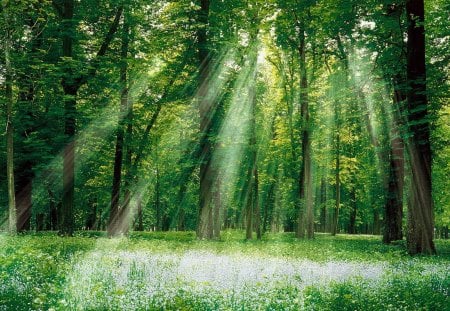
(205, 110)
(323, 204)
(305, 213)
(70, 92)
(394, 196)
(256, 207)
(420, 203)
(116, 217)
(334, 227)
(12, 216)
(353, 211)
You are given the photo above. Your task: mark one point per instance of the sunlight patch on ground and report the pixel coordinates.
(139, 278)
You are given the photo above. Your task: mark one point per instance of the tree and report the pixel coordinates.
(72, 80)
(117, 216)
(12, 218)
(420, 202)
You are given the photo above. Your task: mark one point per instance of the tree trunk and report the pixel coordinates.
(205, 110)
(23, 195)
(70, 92)
(353, 211)
(116, 217)
(323, 204)
(12, 218)
(305, 222)
(158, 202)
(334, 227)
(394, 197)
(420, 203)
(249, 216)
(140, 215)
(217, 219)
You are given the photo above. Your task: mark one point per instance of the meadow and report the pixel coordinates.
(176, 271)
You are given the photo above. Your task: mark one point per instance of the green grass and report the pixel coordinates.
(157, 271)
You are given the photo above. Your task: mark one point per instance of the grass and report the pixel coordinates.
(174, 271)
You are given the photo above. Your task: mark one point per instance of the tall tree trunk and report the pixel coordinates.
(140, 215)
(24, 187)
(420, 205)
(306, 193)
(116, 221)
(26, 97)
(256, 207)
(205, 110)
(217, 219)
(158, 201)
(249, 215)
(323, 204)
(334, 227)
(394, 196)
(12, 218)
(353, 211)
(70, 93)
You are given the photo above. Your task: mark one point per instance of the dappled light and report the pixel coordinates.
(224, 155)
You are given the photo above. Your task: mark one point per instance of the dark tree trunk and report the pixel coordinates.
(305, 214)
(334, 227)
(217, 219)
(158, 202)
(140, 215)
(24, 200)
(353, 212)
(70, 89)
(420, 203)
(376, 222)
(40, 221)
(394, 197)
(256, 207)
(52, 219)
(323, 204)
(117, 216)
(12, 213)
(92, 215)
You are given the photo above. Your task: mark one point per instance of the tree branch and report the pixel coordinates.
(94, 64)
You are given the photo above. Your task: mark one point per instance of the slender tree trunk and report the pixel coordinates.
(256, 207)
(249, 216)
(127, 210)
(158, 202)
(376, 222)
(12, 218)
(140, 215)
(217, 219)
(323, 204)
(420, 205)
(334, 227)
(353, 211)
(27, 92)
(205, 110)
(70, 93)
(116, 216)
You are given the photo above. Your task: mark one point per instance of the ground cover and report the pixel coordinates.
(157, 271)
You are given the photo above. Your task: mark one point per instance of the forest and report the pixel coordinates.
(224, 155)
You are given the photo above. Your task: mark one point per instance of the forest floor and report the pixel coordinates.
(174, 271)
